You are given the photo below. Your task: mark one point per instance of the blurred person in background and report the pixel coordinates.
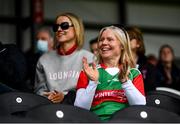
(114, 83)
(13, 68)
(93, 46)
(168, 72)
(151, 58)
(44, 43)
(44, 38)
(138, 51)
(57, 71)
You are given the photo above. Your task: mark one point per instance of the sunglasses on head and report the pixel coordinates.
(63, 25)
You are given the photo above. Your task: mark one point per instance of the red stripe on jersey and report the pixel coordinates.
(122, 100)
(139, 84)
(103, 65)
(82, 81)
(109, 95)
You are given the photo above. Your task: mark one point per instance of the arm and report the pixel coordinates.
(40, 80)
(134, 91)
(86, 85)
(84, 96)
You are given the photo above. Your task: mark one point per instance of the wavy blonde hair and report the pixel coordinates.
(78, 27)
(126, 59)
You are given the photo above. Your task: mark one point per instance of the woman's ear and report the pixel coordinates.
(121, 47)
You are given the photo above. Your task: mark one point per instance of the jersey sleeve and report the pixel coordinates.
(82, 81)
(85, 92)
(138, 80)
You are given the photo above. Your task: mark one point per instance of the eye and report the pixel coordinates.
(101, 39)
(110, 39)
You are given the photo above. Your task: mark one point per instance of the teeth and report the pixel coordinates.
(104, 49)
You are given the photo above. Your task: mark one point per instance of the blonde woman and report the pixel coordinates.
(58, 71)
(114, 83)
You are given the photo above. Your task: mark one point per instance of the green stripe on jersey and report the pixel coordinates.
(107, 81)
(107, 109)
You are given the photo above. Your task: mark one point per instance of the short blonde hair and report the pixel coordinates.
(78, 27)
(126, 58)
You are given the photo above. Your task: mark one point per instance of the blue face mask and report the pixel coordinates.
(42, 46)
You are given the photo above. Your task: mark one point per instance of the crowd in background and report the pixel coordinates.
(54, 68)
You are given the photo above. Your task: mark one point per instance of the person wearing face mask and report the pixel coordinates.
(42, 46)
(57, 71)
(44, 40)
(44, 43)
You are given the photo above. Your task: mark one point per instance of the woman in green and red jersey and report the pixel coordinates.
(114, 83)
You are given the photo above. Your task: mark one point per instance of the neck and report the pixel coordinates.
(111, 62)
(64, 47)
(135, 56)
(168, 65)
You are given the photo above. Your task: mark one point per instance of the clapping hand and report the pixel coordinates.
(91, 72)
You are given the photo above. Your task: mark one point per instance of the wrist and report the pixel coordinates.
(94, 82)
(124, 80)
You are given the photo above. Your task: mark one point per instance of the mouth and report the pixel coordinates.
(105, 49)
(60, 34)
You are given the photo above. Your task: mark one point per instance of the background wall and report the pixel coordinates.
(159, 20)
(166, 17)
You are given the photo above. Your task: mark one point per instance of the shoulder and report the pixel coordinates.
(13, 49)
(48, 56)
(134, 72)
(87, 54)
(82, 81)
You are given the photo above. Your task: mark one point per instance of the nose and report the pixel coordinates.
(59, 28)
(104, 41)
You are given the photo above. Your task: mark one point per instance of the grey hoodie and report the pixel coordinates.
(59, 72)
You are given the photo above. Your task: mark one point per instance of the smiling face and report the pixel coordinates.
(67, 35)
(109, 45)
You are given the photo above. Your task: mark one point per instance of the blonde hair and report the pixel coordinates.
(78, 27)
(126, 58)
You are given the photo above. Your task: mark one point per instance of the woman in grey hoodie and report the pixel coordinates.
(57, 71)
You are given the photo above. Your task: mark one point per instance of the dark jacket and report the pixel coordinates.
(149, 73)
(13, 68)
(32, 59)
(162, 78)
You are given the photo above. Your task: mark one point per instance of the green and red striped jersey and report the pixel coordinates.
(109, 96)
